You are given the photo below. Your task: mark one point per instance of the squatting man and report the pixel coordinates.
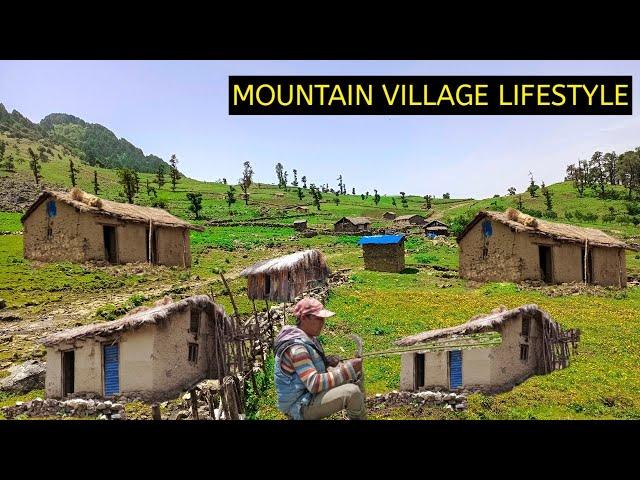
(310, 385)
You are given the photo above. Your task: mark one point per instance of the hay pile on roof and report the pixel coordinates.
(480, 324)
(85, 202)
(519, 222)
(306, 259)
(132, 321)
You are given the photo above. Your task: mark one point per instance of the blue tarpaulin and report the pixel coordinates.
(381, 240)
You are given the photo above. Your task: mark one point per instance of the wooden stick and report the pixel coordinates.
(194, 404)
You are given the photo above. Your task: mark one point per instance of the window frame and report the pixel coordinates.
(192, 352)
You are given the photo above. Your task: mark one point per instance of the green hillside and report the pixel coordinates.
(95, 144)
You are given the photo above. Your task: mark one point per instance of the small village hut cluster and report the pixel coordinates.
(514, 247)
(154, 352)
(383, 253)
(457, 357)
(282, 279)
(352, 224)
(76, 226)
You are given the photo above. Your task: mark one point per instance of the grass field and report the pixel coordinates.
(602, 382)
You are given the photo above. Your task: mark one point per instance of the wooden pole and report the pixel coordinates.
(586, 249)
(194, 403)
(270, 323)
(150, 237)
(238, 350)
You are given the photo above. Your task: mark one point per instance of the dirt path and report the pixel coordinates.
(439, 213)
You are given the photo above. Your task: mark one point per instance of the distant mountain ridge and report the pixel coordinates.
(92, 142)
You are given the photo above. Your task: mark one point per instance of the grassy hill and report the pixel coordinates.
(602, 382)
(95, 144)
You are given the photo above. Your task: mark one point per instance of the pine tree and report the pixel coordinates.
(230, 198)
(403, 200)
(160, 176)
(127, 178)
(246, 180)
(96, 186)
(304, 182)
(547, 197)
(279, 169)
(9, 166)
(376, 197)
(295, 178)
(174, 173)
(72, 172)
(315, 193)
(353, 191)
(195, 200)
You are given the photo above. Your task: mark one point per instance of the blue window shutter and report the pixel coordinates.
(455, 368)
(111, 369)
(51, 208)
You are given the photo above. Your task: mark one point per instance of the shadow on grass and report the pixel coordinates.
(409, 270)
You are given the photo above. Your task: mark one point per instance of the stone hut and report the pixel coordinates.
(153, 352)
(352, 224)
(435, 228)
(383, 253)
(282, 279)
(513, 247)
(78, 227)
(389, 215)
(411, 219)
(300, 225)
(491, 352)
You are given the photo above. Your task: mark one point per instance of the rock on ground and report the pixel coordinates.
(25, 377)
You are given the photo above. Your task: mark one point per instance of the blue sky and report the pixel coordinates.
(180, 107)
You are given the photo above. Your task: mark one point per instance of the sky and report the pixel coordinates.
(181, 107)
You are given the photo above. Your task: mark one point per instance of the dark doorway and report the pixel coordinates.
(589, 271)
(418, 371)
(545, 264)
(68, 372)
(110, 248)
(154, 247)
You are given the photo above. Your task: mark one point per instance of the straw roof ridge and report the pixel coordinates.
(408, 217)
(85, 202)
(558, 231)
(132, 321)
(304, 259)
(356, 220)
(481, 324)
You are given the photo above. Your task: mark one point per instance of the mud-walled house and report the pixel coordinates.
(282, 279)
(515, 247)
(383, 253)
(300, 225)
(389, 215)
(410, 219)
(352, 224)
(436, 228)
(78, 227)
(491, 353)
(154, 352)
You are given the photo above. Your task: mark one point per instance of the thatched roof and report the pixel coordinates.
(481, 324)
(85, 202)
(405, 218)
(356, 220)
(304, 259)
(518, 222)
(149, 316)
(436, 223)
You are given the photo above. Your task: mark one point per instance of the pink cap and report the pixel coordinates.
(311, 306)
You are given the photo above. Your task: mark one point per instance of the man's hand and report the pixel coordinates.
(333, 360)
(356, 363)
